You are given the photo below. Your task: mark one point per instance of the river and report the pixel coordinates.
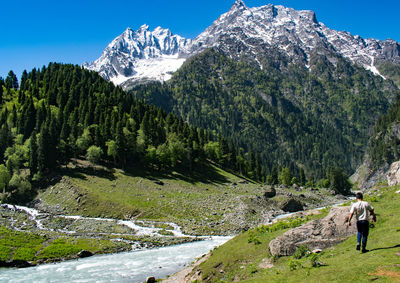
(133, 266)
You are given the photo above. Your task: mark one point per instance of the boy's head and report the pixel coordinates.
(359, 196)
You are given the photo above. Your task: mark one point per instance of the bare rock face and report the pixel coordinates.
(317, 234)
(393, 176)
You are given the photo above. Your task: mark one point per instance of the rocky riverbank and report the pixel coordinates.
(29, 237)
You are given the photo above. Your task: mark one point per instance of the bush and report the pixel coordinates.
(314, 260)
(94, 154)
(301, 252)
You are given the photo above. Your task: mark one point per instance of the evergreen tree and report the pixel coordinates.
(11, 81)
(43, 153)
(339, 181)
(1, 90)
(33, 155)
(24, 79)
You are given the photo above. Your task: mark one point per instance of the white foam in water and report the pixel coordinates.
(122, 267)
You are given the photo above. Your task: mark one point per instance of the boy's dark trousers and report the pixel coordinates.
(363, 231)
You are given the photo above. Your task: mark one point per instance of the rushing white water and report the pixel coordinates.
(122, 267)
(148, 228)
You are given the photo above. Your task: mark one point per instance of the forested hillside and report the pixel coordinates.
(61, 112)
(306, 119)
(384, 144)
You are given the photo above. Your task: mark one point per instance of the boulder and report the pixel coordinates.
(317, 234)
(269, 193)
(393, 176)
(291, 205)
(84, 253)
(296, 187)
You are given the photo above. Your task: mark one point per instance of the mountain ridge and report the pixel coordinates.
(297, 34)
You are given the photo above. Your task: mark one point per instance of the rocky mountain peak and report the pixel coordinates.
(141, 55)
(238, 5)
(143, 28)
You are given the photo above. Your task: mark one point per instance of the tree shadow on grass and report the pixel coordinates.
(203, 173)
(385, 248)
(82, 172)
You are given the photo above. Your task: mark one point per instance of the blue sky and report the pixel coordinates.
(33, 33)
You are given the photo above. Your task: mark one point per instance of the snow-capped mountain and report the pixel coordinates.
(242, 31)
(296, 34)
(141, 55)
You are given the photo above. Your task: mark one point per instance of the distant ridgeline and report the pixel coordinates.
(64, 111)
(307, 118)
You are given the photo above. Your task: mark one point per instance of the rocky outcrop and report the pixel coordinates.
(269, 193)
(292, 205)
(393, 176)
(317, 234)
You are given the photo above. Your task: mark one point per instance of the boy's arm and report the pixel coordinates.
(350, 216)
(373, 215)
(371, 211)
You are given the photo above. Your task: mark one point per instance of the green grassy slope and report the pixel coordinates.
(241, 259)
(196, 201)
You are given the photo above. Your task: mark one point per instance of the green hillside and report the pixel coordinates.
(310, 119)
(243, 259)
(62, 112)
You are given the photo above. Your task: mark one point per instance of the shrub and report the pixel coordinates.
(301, 252)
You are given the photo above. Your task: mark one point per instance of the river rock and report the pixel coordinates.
(393, 176)
(291, 205)
(317, 234)
(15, 263)
(269, 193)
(151, 279)
(84, 253)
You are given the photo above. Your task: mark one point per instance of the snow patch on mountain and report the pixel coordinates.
(141, 54)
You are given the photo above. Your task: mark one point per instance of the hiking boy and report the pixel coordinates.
(362, 209)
